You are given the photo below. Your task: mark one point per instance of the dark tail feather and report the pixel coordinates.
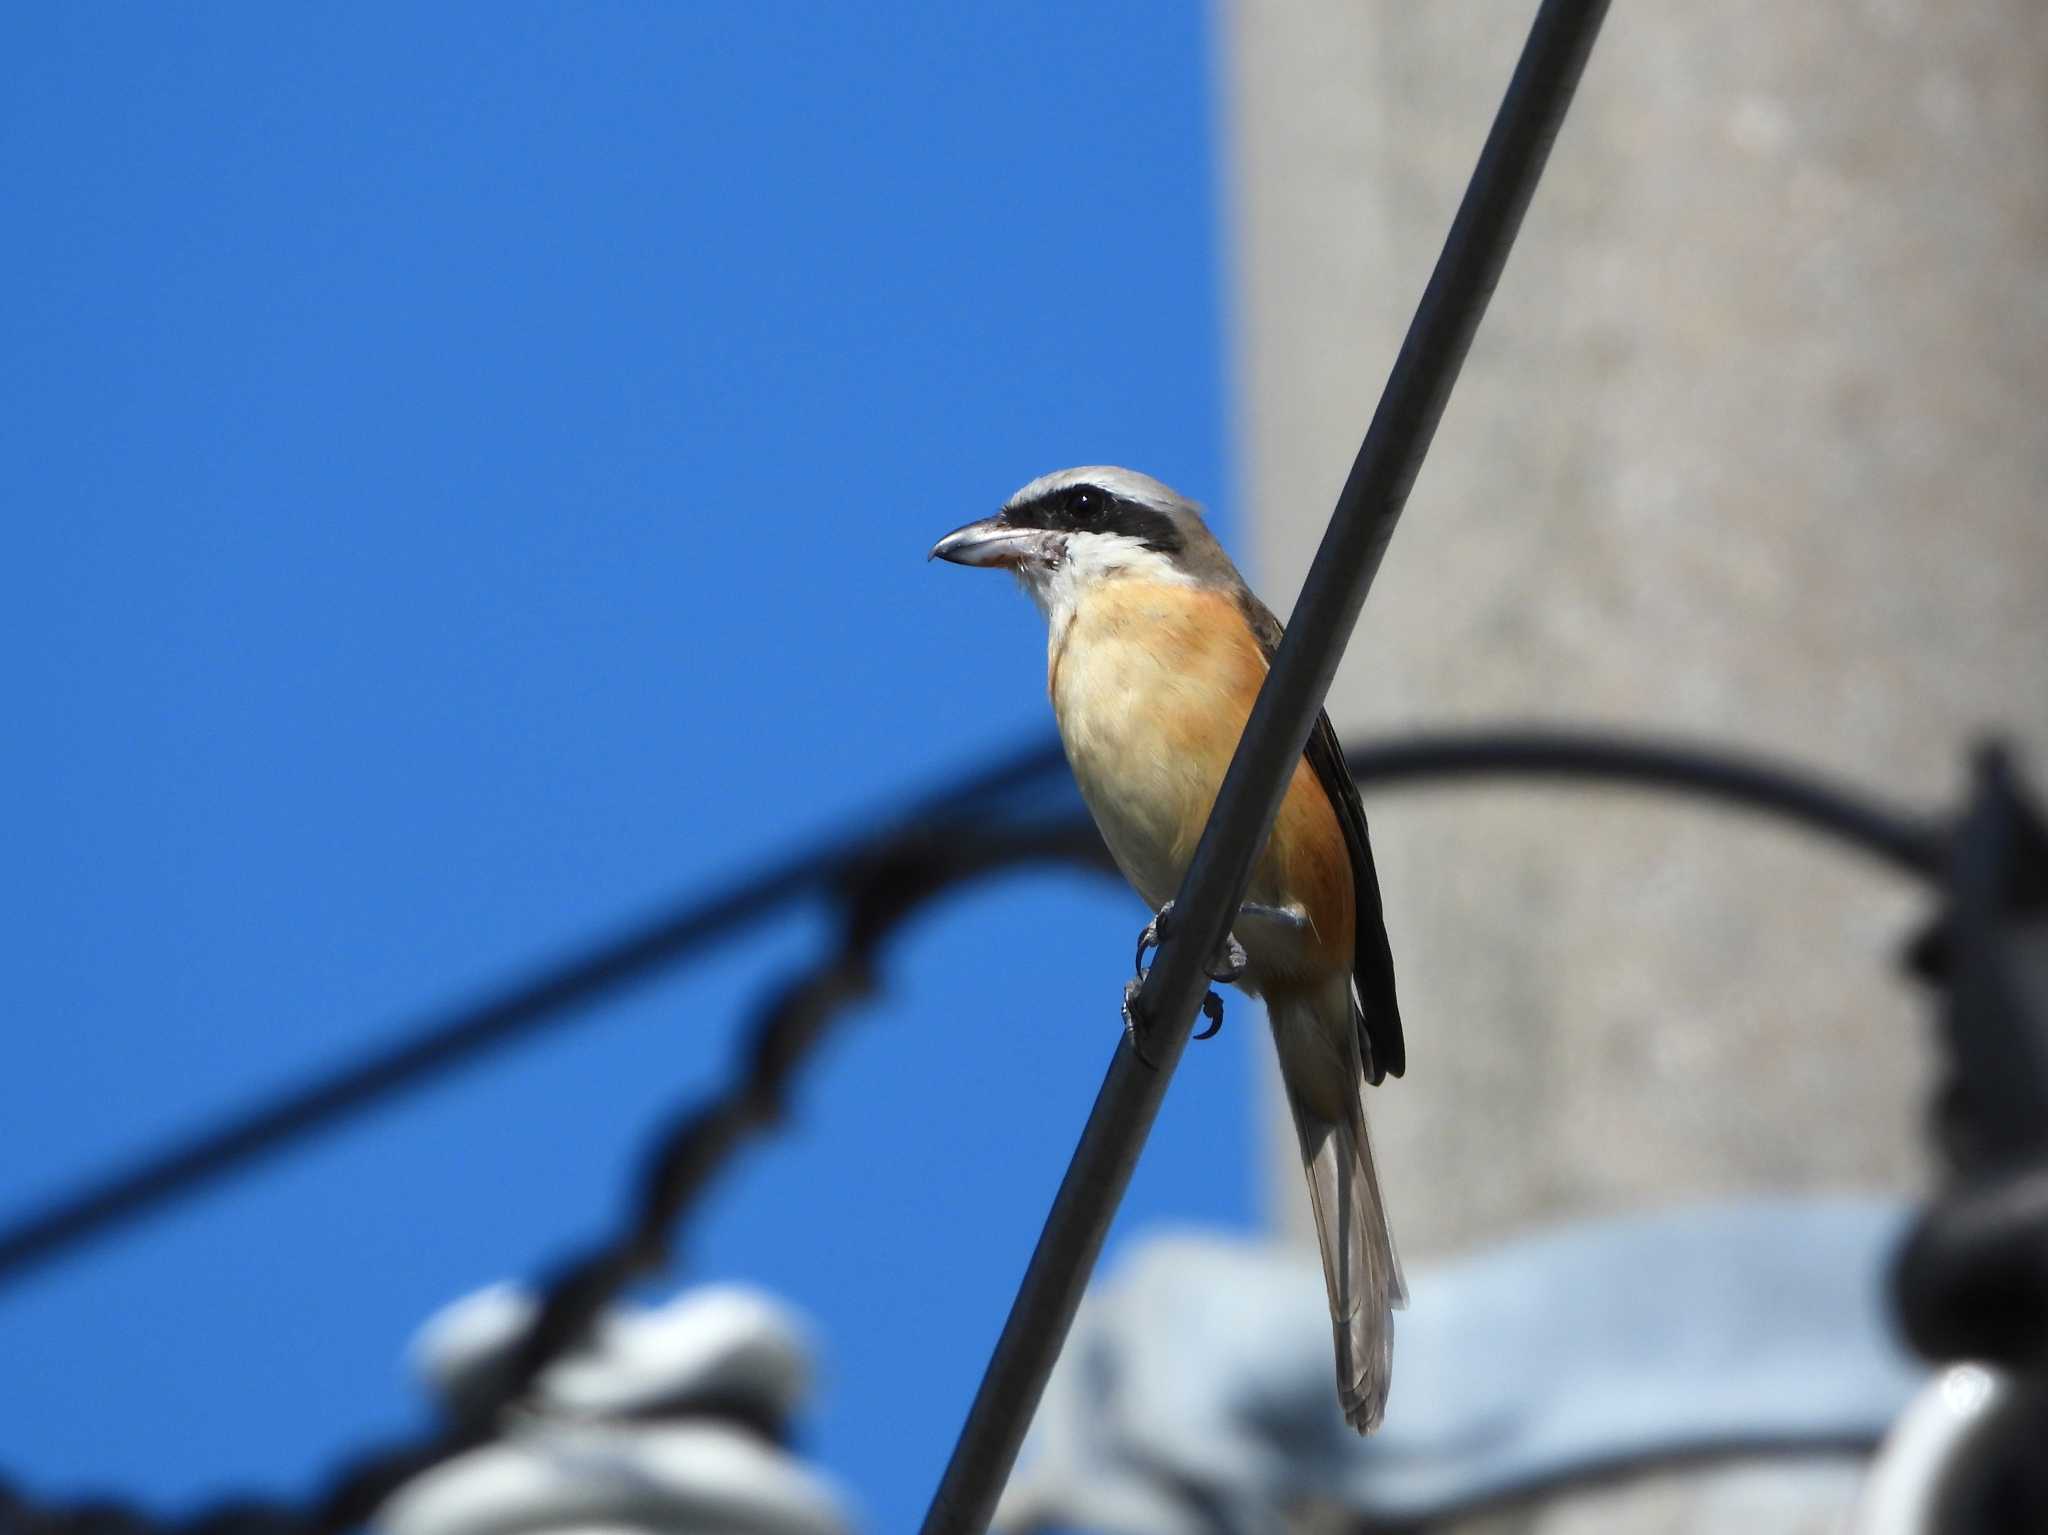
(1360, 1271)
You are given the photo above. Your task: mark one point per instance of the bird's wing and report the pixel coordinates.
(1372, 958)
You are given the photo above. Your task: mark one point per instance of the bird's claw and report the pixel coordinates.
(1152, 937)
(1225, 967)
(1212, 1009)
(1229, 965)
(1132, 1032)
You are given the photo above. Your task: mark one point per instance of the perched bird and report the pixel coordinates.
(1156, 651)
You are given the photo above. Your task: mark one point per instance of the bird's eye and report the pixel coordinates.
(1084, 502)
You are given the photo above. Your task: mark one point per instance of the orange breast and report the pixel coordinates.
(1152, 684)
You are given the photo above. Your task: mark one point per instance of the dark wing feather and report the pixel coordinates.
(1372, 962)
(1372, 959)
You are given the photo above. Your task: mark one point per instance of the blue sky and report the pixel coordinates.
(468, 471)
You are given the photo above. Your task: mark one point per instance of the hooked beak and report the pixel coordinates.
(992, 541)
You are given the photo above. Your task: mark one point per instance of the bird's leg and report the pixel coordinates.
(1233, 958)
(1295, 922)
(1227, 965)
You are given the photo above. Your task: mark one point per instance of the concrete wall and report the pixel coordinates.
(1751, 448)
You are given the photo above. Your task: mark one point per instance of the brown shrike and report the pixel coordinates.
(1157, 649)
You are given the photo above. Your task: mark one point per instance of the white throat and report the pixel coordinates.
(1081, 563)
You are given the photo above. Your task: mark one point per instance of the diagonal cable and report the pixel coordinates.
(1367, 509)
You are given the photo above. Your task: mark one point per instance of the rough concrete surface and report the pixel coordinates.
(1750, 450)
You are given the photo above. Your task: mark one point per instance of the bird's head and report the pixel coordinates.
(1065, 532)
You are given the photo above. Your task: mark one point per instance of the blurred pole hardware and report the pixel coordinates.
(673, 1419)
(1030, 820)
(1189, 1400)
(1912, 1478)
(1474, 252)
(1971, 1281)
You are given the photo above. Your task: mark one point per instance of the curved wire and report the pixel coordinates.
(877, 887)
(438, 1044)
(1912, 843)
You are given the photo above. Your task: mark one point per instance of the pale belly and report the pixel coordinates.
(1149, 739)
(1144, 797)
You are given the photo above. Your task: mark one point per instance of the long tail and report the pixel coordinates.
(1325, 1080)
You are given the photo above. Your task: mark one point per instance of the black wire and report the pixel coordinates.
(439, 1044)
(1913, 844)
(1431, 355)
(164, 1176)
(877, 893)
(876, 889)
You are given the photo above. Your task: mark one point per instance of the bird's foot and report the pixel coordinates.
(1152, 937)
(1212, 1009)
(1226, 966)
(1229, 965)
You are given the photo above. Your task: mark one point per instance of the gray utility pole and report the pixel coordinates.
(1752, 447)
